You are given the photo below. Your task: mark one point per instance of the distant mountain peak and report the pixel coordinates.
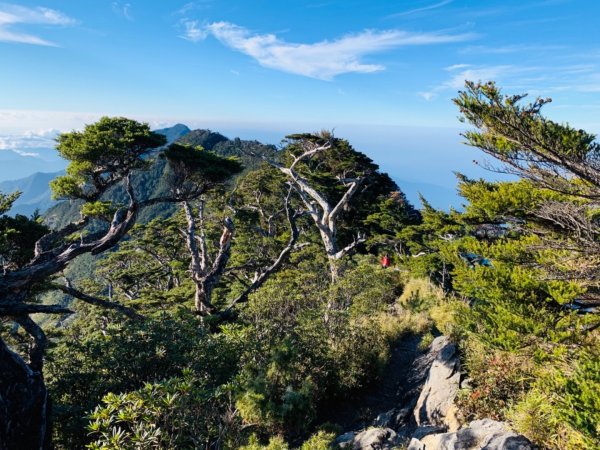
(205, 138)
(175, 132)
(181, 128)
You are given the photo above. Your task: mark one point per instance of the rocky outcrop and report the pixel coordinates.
(483, 434)
(427, 417)
(435, 406)
(369, 439)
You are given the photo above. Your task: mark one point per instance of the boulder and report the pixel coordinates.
(385, 419)
(345, 440)
(421, 432)
(435, 405)
(369, 439)
(392, 418)
(415, 444)
(483, 434)
(432, 423)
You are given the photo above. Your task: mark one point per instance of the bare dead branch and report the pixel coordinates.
(265, 273)
(70, 290)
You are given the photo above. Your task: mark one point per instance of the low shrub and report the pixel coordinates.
(172, 414)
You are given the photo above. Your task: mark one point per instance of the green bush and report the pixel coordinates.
(499, 380)
(313, 342)
(275, 443)
(179, 413)
(95, 358)
(563, 408)
(319, 441)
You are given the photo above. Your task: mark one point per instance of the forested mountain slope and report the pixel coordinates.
(234, 308)
(152, 183)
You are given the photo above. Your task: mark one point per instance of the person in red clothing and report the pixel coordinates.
(385, 261)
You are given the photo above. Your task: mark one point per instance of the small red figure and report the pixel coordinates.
(385, 261)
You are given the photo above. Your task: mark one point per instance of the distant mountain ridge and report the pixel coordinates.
(35, 193)
(14, 165)
(247, 151)
(152, 182)
(15, 171)
(37, 196)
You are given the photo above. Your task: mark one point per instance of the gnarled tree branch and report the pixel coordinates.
(70, 290)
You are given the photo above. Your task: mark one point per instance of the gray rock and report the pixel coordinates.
(386, 419)
(394, 418)
(435, 405)
(426, 430)
(415, 444)
(370, 439)
(483, 434)
(466, 384)
(403, 413)
(345, 440)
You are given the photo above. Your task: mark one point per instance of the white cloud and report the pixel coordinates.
(323, 60)
(23, 142)
(122, 9)
(468, 72)
(456, 67)
(11, 15)
(537, 80)
(427, 95)
(197, 5)
(477, 74)
(192, 31)
(423, 9)
(508, 49)
(22, 121)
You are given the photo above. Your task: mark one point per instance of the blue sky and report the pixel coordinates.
(381, 73)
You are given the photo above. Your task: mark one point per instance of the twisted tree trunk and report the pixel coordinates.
(23, 404)
(206, 277)
(324, 213)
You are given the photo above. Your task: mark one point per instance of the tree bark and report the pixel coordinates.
(23, 404)
(205, 278)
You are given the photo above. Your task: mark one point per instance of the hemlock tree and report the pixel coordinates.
(339, 188)
(202, 239)
(204, 172)
(267, 216)
(147, 264)
(101, 156)
(533, 315)
(559, 197)
(199, 170)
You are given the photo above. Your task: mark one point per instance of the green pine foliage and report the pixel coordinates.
(305, 353)
(101, 155)
(17, 239)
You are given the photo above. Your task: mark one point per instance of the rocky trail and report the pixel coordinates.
(412, 407)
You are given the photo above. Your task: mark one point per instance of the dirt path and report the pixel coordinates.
(361, 410)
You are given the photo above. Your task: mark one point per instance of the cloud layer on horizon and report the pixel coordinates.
(24, 143)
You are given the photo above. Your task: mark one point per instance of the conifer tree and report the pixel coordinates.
(102, 156)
